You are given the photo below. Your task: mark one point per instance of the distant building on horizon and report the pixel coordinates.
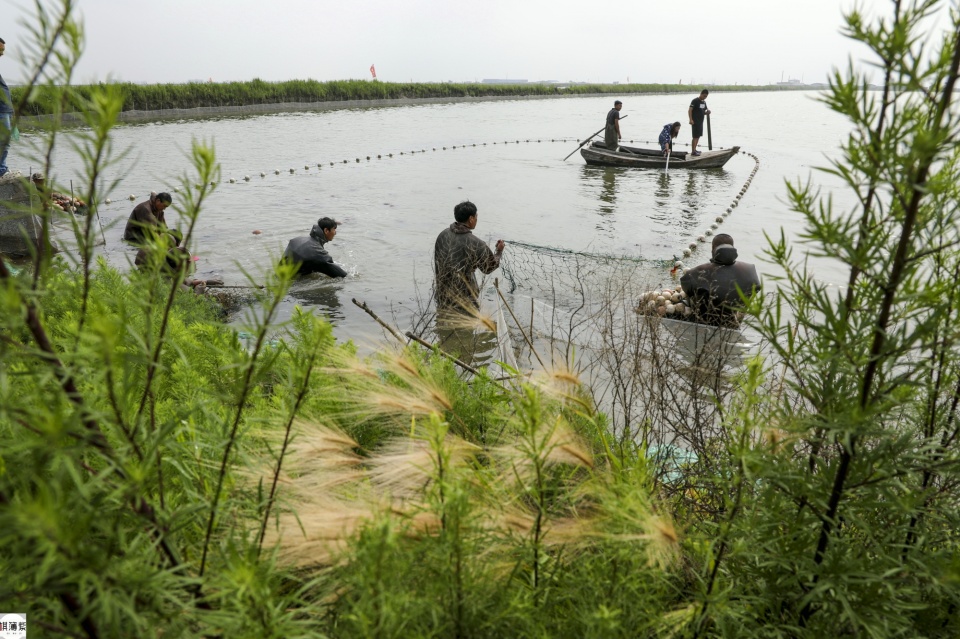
(501, 81)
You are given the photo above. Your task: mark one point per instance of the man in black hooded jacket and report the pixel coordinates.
(713, 289)
(309, 253)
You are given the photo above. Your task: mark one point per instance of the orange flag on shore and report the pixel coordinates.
(373, 72)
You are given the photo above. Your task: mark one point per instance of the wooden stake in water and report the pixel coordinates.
(709, 135)
(529, 340)
(531, 315)
(74, 207)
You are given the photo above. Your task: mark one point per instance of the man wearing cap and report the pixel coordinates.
(611, 133)
(146, 217)
(310, 255)
(714, 289)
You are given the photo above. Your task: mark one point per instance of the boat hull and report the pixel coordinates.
(599, 155)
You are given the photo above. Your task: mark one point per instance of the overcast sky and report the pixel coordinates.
(657, 41)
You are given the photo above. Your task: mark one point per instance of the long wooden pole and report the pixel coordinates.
(590, 138)
(73, 206)
(442, 352)
(529, 340)
(370, 312)
(709, 135)
(219, 285)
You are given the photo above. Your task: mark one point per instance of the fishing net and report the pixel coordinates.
(566, 277)
(560, 294)
(506, 350)
(564, 307)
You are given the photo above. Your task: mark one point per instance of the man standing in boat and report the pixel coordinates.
(697, 111)
(714, 289)
(611, 134)
(669, 132)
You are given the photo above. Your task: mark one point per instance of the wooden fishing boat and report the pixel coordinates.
(629, 156)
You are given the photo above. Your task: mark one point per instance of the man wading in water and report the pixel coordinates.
(310, 254)
(457, 254)
(147, 217)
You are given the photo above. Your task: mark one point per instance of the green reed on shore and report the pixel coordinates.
(156, 97)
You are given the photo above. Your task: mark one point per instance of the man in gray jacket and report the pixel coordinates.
(309, 253)
(456, 255)
(714, 289)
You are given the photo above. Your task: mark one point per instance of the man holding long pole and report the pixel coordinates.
(599, 131)
(697, 111)
(611, 135)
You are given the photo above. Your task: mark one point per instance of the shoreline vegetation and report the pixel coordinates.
(142, 101)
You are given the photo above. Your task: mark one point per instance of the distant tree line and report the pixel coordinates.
(155, 97)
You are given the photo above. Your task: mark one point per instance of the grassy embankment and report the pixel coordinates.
(155, 97)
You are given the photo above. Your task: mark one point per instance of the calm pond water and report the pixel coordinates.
(392, 209)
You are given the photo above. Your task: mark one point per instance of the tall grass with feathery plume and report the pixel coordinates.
(491, 533)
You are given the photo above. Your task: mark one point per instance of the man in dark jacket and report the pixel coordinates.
(713, 289)
(147, 217)
(611, 132)
(309, 253)
(456, 255)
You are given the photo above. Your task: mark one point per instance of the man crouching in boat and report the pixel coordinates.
(309, 253)
(669, 132)
(713, 289)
